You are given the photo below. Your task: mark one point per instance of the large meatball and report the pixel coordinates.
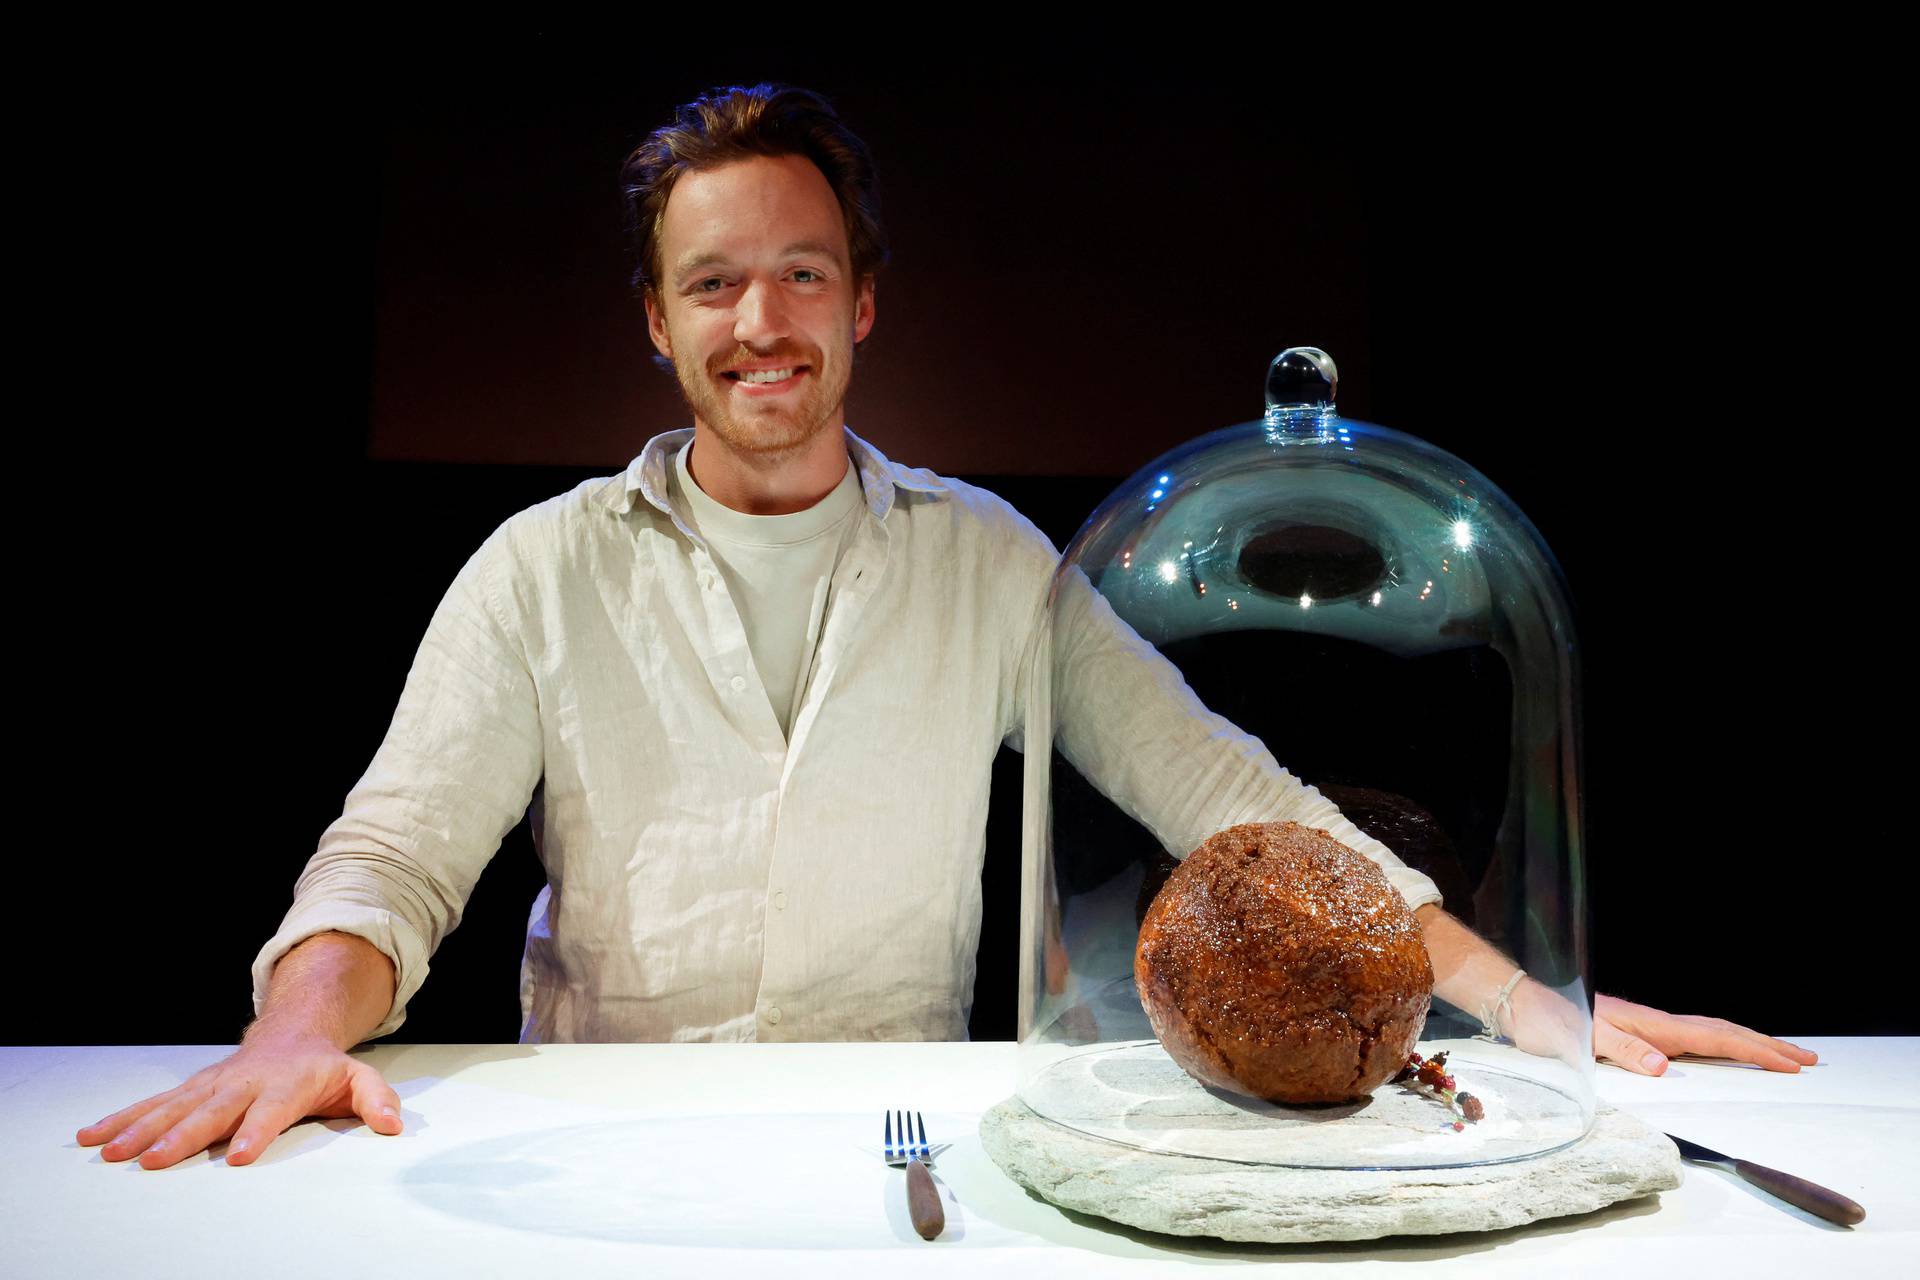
(1278, 963)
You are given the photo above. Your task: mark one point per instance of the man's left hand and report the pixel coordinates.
(1641, 1039)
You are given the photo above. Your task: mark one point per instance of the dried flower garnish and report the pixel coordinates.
(1431, 1077)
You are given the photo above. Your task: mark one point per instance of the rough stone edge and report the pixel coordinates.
(1369, 1204)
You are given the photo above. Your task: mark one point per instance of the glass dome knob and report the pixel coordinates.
(1301, 377)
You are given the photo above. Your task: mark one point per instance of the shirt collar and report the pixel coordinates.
(646, 475)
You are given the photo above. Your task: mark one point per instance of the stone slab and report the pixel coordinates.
(1619, 1159)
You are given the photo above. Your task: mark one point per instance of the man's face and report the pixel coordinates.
(755, 284)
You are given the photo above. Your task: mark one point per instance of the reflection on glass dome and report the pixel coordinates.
(1371, 613)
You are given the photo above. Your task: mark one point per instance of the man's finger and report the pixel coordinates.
(198, 1084)
(1628, 1051)
(135, 1138)
(374, 1100)
(270, 1116)
(207, 1124)
(112, 1126)
(1785, 1048)
(1736, 1043)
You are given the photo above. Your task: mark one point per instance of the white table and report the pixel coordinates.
(649, 1160)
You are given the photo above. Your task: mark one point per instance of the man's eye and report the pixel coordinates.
(806, 275)
(712, 284)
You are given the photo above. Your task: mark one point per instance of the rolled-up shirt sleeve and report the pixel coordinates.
(1129, 723)
(454, 774)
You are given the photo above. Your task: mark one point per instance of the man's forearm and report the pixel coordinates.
(334, 985)
(1468, 972)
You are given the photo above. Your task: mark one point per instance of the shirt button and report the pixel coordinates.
(779, 899)
(773, 1016)
(738, 683)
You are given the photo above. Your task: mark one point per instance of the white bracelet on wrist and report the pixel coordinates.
(1490, 1013)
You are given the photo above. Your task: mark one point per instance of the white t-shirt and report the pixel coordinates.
(777, 569)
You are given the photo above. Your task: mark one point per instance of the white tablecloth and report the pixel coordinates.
(649, 1160)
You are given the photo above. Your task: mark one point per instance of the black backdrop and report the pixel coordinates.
(324, 322)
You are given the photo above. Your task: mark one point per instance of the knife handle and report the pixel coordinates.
(923, 1202)
(1811, 1196)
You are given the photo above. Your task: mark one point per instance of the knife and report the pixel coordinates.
(1812, 1197)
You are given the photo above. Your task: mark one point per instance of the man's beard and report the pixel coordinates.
(766, 433)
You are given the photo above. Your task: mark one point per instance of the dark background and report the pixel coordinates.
(320, 324)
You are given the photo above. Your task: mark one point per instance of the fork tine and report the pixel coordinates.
(906, 1146)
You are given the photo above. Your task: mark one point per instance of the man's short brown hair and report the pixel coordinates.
(733, 124)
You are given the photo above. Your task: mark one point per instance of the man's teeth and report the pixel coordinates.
(765, 375)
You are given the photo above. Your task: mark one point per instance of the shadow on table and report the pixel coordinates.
(445, 1060)
(732, 1182)
(808, 1183)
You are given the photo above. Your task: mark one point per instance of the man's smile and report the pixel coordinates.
(769, 381)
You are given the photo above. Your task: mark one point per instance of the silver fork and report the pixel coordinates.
(923, 1198)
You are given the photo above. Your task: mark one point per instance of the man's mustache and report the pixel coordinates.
(746, 356)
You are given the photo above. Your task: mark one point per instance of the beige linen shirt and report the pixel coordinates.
(706, 878)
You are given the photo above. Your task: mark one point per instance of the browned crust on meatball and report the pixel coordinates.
(1280, 964)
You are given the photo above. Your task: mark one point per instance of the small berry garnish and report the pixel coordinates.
(1431, 1076)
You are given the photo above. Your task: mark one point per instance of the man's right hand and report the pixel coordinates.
(265, 1088)
(331, 990)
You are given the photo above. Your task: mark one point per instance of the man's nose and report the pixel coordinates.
(760, 316)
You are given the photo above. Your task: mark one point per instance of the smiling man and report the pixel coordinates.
(752, 687)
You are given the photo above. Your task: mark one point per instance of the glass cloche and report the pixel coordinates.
(1306, 599)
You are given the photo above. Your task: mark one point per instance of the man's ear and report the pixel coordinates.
(863, 310)
(657, 322)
